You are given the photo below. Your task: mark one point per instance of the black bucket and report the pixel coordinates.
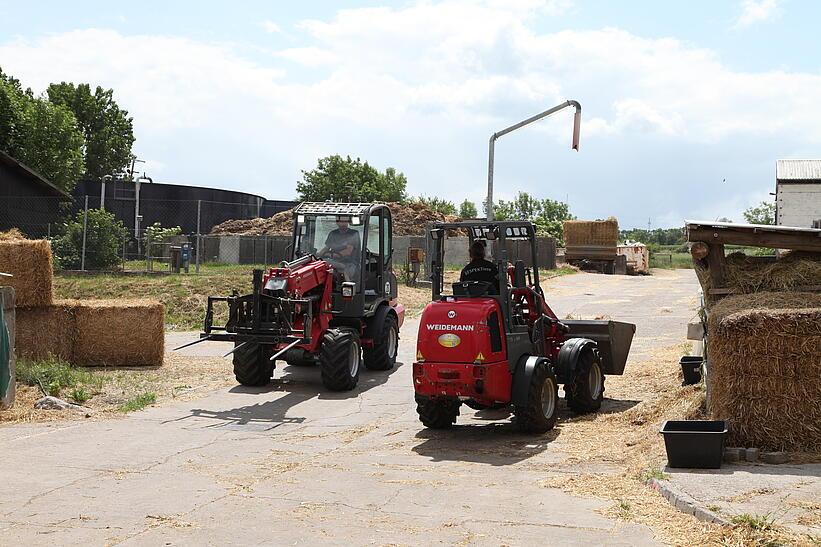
(691, 368)
(694, 444)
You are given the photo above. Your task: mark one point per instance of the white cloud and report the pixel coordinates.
(269, 26)
(422, 87)
(756, 11)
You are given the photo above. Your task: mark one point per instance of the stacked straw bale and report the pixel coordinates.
(119, 332)
(30, 262)
(591, 232)
(46, 331)
(83, 332)
(115, 333)
(765, 374)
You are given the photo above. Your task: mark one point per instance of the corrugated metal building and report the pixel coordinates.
(797, 192)
(27, 200)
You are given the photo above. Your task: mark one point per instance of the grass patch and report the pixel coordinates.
(138, 403)
(55, 375)
(754, 522)
(652, 473)
(558, 272)
(670, 260)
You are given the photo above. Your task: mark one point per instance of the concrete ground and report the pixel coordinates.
(788, 495)
(293, 464)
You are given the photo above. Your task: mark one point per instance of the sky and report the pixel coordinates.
(686, 105)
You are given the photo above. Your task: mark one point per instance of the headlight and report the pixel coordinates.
(348, 289)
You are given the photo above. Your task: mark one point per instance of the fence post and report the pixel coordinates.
(85, 227)
(199, 236)
(265, 251)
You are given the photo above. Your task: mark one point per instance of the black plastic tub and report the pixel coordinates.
(695, 444)
(691, 368)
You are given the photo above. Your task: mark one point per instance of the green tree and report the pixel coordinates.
(548, 215)
(104, 241)
(467, 209)
(438, 204)
(107, 129)
(762, 214)
(50, 143)
(42, 135)
(657, 236)
(345, 179)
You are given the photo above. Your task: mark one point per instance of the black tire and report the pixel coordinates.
(437, 413)
(299, 358)
(382, 356)
(539, 414)
(252, 364)
(586, 392)
(340, 358)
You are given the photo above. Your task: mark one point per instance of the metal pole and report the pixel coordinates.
(85, 227)
(102, 191)
(137, 209)
(514, 127)
(199, 237)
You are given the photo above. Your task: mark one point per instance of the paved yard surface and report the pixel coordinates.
(292, 464)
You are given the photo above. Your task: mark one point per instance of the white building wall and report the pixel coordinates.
(798, 204)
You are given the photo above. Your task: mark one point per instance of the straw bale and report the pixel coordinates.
(30, 262)
(591, 232)
(119, 333)
(765, 375)
(747, 275)
(45, 331)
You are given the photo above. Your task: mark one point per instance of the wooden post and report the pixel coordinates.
(715, 264)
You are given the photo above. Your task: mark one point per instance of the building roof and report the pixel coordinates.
(33, 175)
(798, 170)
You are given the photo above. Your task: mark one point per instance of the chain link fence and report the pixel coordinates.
(155, 236)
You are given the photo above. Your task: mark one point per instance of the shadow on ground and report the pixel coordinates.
(299, 384)
(499, 443)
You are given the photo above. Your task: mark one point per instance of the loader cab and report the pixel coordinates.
(363, 270)
(512, 245)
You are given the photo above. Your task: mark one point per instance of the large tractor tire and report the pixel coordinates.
(539, 414)
(586, 392)
(437, 413)
(382, 356)
(340, 359)
(252, 364)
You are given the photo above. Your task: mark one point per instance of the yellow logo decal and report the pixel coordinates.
(419, 356)
(480, 357)
(449, 340)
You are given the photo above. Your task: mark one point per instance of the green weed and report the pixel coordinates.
(139, 402)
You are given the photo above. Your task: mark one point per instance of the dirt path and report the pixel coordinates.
(294, 464)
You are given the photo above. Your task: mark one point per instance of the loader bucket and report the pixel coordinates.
(613, 337)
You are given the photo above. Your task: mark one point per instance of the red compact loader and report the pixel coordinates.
(508, 349)
(334, 304)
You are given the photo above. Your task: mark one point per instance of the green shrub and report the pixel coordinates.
(104, 241)
(54, 375)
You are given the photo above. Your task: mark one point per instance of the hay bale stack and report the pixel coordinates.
(46, 331)
(119, 332)
(591, 232)
(765, 375)
(30, 262)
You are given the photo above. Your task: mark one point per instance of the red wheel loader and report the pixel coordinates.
(334, 304)
(507, 349)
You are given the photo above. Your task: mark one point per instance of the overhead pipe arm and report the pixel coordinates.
(577, 120)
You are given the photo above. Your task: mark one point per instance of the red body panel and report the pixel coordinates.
(304, 280)
(456, 331)
(455, 357)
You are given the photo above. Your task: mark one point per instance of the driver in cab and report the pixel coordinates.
(342, 248)
(480, 269)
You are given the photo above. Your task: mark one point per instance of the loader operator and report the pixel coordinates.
(342, 248)
(480, 269)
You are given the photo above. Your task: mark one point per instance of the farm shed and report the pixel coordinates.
(27, 200)
(797, 192)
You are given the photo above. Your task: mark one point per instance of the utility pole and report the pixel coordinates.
(492, 144)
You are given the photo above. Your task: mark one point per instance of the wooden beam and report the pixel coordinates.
(799, 241)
